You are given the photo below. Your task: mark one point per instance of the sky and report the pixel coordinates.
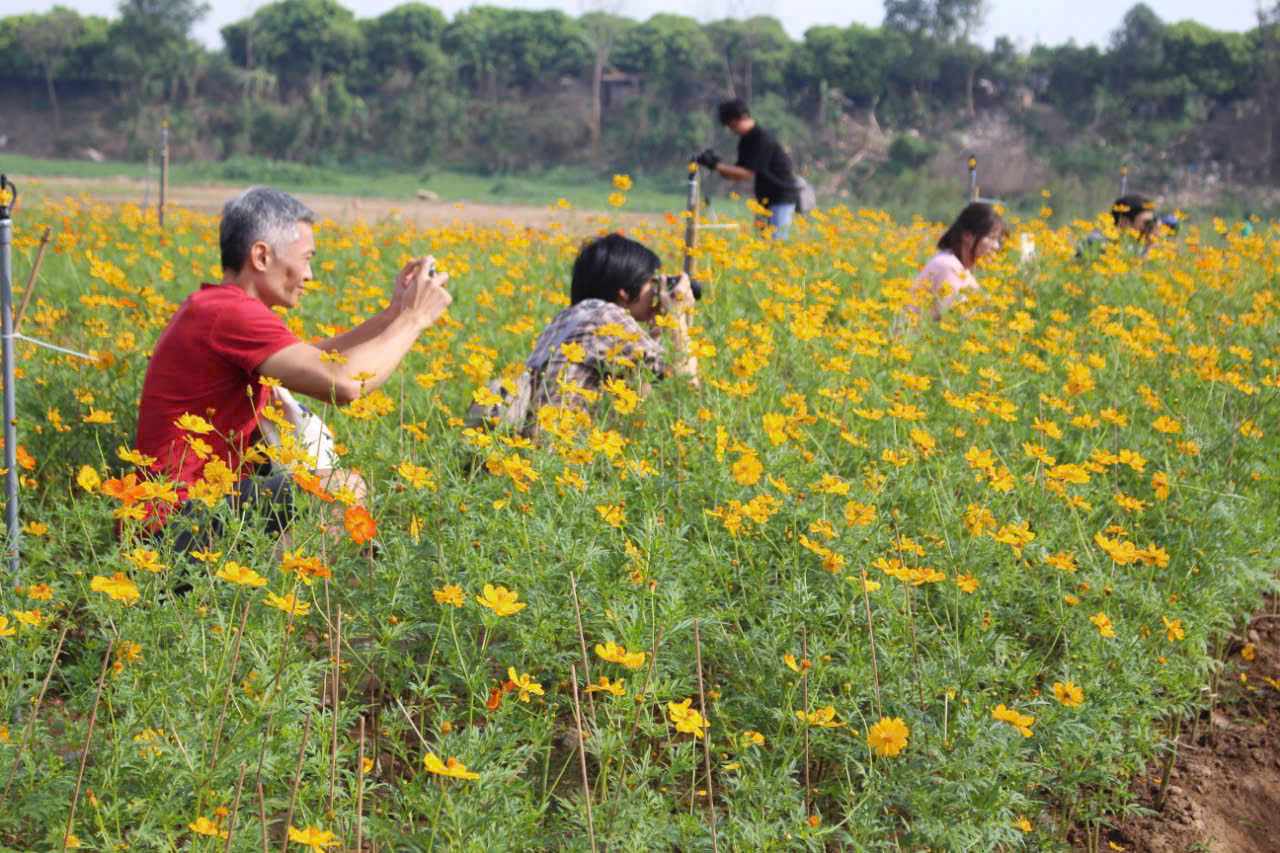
(1027, 22)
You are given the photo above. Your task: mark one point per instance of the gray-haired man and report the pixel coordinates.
(225, 338)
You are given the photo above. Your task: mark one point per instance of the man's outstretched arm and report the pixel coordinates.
(368, 363)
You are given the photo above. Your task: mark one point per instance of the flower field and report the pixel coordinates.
(868, 588)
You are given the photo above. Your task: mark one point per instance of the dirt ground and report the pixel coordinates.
(209, 198)
(1224, 791)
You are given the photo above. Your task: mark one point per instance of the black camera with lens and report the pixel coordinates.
(669, 283)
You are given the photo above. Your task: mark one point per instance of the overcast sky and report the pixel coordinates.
(1026, 21)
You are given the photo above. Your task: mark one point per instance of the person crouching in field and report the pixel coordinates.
(947, 279)
(1137, 224)
(219, 362)
(616, 291)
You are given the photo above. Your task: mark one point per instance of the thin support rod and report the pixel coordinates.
(691, 223)
(164, 170)
(10, 401)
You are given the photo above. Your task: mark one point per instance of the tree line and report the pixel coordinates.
(502, 89)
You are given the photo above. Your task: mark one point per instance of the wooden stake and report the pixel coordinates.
(706, 736)
(84, 754)
(35, 712)
(297, 776)
(582, 757)
(582, 642)
(360, 791)
(235, 809)
(337, 682)
(871, 633)
(164, 170)
(262, 817)
(31, 280)
(226, 694)
(804, 687)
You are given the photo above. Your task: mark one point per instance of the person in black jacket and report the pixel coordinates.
(761, 160)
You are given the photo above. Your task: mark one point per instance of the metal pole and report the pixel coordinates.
(10, 405)
(691, 224)
(1124, 180)
(973, 178)
(164, 168)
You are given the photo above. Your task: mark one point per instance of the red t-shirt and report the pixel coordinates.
(205, 363)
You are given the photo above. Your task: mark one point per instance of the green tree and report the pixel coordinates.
(152, 40)
(602, 29)
(499, 49)
(49, 40)
(753, 54)
(300, 41)
(406, 37)
(673, 53)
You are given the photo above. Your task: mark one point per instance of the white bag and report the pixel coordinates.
(808, 199)
(311, 433)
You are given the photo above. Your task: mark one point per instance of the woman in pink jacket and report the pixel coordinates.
(948, 278)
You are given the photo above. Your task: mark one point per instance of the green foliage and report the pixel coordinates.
(805, 377)
(495, 89)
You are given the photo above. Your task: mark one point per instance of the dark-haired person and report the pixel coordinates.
(226, 339)
(615, 293)
(761, 160)
(1135, 218)
(947, 279)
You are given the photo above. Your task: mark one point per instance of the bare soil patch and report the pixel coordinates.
(209, 198)
(1224, 791)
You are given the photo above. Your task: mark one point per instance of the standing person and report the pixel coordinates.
(947, 279)
(761, 160)
(204, 392)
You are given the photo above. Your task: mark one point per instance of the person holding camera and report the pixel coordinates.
(616, 292)
(1137, 223)
(761, 160)
(211, 370)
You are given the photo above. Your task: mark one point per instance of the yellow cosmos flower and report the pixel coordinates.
(1172, 627)
(98, 416)
(823, 718)
(1103, 624)
(611, 514)
(688, 720)
(1068, 693)
(450, 594)
(604, 685)
(888, 737)
(30, 618)
(88, 479)
(40, 592)
(614, 653)
(499, 599)
(453, 768)
(134, 457)
(232, 572)
(288, 604)
(5, 629)
(117, 587)
(1021, 722)
(203, 826)
(193, 423)
(313, 838)
(524, 684)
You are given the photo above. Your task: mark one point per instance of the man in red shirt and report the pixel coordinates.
(225, 338)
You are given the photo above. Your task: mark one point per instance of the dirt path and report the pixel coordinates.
(1224, 791)
(209, 198)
